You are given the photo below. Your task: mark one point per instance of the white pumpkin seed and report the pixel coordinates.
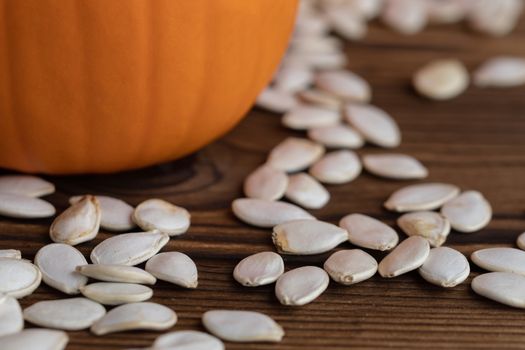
(445, 267)
(116, 273)
(266, 183)
(521, 241)
(496, 18)
(110, 293)
(374, 124)
(35, 339)
(344, 84)
(301, 286)
(500, 259)
(115, 213)
(128, 248)
(24, 207)
(304, 117)
(347, 23)
(11, 319)
(337, 167)
(320, 98)
(350, 266)
(405, 16)
(67, 314)
(293, 78)
(294, 154)
(58, 262)
(143, 315)
(407, 256)
(425, 196)
(259, 269)
(309, 24)
(174, 267)
(446, 11)
(306, 191)
(188, 340)
(503, 71)
(10, 253)
(313, 44)
(307, 237)
(367, 232)
(394, 166)
(78, 223)
(242, 326)
(367, 9)
(157, 214)
(336, 136)
(428, 224)
(441, 79)
(25, 185)
(504, 287)
(468, 212)
(263, 213)
(18, 277)
(276, 101)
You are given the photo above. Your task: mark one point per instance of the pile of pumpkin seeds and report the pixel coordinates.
(332, 106)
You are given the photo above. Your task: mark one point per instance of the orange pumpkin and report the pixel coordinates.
(107, 85)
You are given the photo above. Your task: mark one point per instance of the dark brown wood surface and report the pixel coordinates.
(476, 141)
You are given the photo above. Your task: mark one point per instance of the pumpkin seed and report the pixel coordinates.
(143, 315)
(128, 248)
(394, 166)
(263, 213)
(24, 207)
(367, 232)
(10, 253)
(347, 23)
(35, 339)
(425, 196)
(276, 101)
(266, 183)
(58, 263)
(259, 269)
(407, 256)
(188, 340)
(521, 241)
(441, 79)
(337, 167)
(157, 214)
(468, 212)
(405, 16)
(374, 124)
(350, 266)
(309, 44)
(344, 84)
(25, 185)
(116, 273)
(336, 136)
(11, 319)
(446, 12)
(367, 9)
(110, 293)
(294, 154)
(115, 213)
(428, 224)
(78, 223)
(500, 259)
(18, 277)
(293, 78)
(301, 286)
(304, 117)
(320, 98)
(242, 326)
(174, 267)
(310, 24)
(503, 71)
(306, 191)
(496, 18)
(445, 267)
(504, 287)
(68, 314)
(307, 237)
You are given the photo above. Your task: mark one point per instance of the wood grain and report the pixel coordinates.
(476, 141)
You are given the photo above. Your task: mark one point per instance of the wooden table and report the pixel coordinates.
(476, 141)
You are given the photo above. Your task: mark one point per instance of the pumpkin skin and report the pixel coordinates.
(107, 85)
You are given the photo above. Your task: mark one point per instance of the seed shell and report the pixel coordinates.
(301, 286)
(259, 269)
(174, 267)
(350, 266)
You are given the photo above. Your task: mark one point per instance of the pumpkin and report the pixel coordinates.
(106, 85)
